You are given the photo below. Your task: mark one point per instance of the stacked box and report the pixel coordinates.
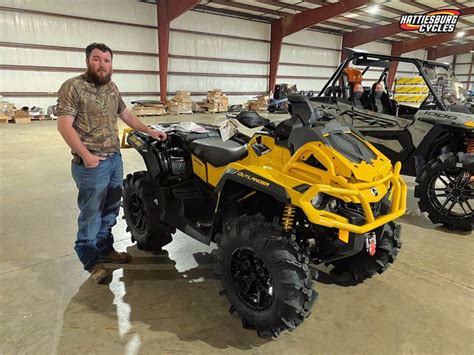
(260, 104)
(215, 101)
(4, 118)
(180, 103)
(148, 110)
(21, 116)
(252, 105)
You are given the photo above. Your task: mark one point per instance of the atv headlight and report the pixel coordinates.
(332, 204)
(318, 200)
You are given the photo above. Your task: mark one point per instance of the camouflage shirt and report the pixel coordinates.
(95, 110)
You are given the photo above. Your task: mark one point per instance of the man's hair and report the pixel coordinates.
(101, 46)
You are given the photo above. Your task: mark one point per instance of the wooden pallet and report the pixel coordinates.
(149, 114)
(39, 118)
(181, 113)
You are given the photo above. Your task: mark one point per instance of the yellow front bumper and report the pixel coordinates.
(332, 220)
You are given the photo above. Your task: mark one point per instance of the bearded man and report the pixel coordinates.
(88, 107)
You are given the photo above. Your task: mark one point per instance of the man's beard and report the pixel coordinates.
(94, 78)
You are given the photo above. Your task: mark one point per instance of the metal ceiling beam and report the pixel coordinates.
(425, 42)
(354, 39)
(294, 23)
(307, 18)
(401, 47)
(467, 11)
(167, 11)
(440, 52)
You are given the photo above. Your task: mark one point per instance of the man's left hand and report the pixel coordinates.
(156, 134)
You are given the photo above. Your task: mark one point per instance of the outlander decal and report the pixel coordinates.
(253, 178)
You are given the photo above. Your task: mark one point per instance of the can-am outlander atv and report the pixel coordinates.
(305, 191)
(433, 139)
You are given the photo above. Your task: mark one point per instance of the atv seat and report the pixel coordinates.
(216, 152)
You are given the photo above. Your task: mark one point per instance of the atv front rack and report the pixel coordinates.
(353, 192)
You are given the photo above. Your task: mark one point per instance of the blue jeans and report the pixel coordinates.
(100, 192)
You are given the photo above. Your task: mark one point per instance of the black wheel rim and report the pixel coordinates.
(451, 193)
(137, 213)
(251, 279)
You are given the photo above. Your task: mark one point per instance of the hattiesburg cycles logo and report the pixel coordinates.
(439, 21)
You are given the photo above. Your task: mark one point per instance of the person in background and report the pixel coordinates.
(376, 97)
(88, 108)
(359, 97)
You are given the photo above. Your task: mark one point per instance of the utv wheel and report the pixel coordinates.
(444, 192)
(142, 214)
(362, 266)
(265, 276)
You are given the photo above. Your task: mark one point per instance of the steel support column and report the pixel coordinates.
(167, 11)
(275, 50)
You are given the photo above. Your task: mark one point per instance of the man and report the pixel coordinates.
(88, 106)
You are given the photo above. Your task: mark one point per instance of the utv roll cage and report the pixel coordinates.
(367, 59)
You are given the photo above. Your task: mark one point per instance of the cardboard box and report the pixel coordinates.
(22, 120)
(4, 118)
(21, 116)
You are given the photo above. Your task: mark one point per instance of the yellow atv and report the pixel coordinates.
(303, 192)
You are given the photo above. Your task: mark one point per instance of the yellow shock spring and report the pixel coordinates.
(288, 217)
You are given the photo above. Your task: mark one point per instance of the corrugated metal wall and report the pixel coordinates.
(464, 69)
(308, 58)
(47, 31)
(44, 46)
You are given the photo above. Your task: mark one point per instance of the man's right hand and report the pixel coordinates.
(92, 161)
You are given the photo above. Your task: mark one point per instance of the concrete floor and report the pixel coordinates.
(170, 304)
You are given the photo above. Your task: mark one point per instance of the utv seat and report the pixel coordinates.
(189, 137)
(383, 104)
(216, 152)
(363, 102)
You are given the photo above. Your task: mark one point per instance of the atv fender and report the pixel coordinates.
(249, 179)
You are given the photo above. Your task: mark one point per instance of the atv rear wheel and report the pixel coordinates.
(142, 214)
(445, 192)
(362, 266)
(265, 276)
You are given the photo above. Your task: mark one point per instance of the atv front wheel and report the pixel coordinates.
(265, 276)
(444, 191)
(362, 266)
(142, 214)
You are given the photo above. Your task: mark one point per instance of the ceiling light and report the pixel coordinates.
(460, 34)
(373, 9)
(352, 15)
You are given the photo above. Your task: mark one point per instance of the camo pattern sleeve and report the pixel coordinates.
(121, 103)
(67, 103)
